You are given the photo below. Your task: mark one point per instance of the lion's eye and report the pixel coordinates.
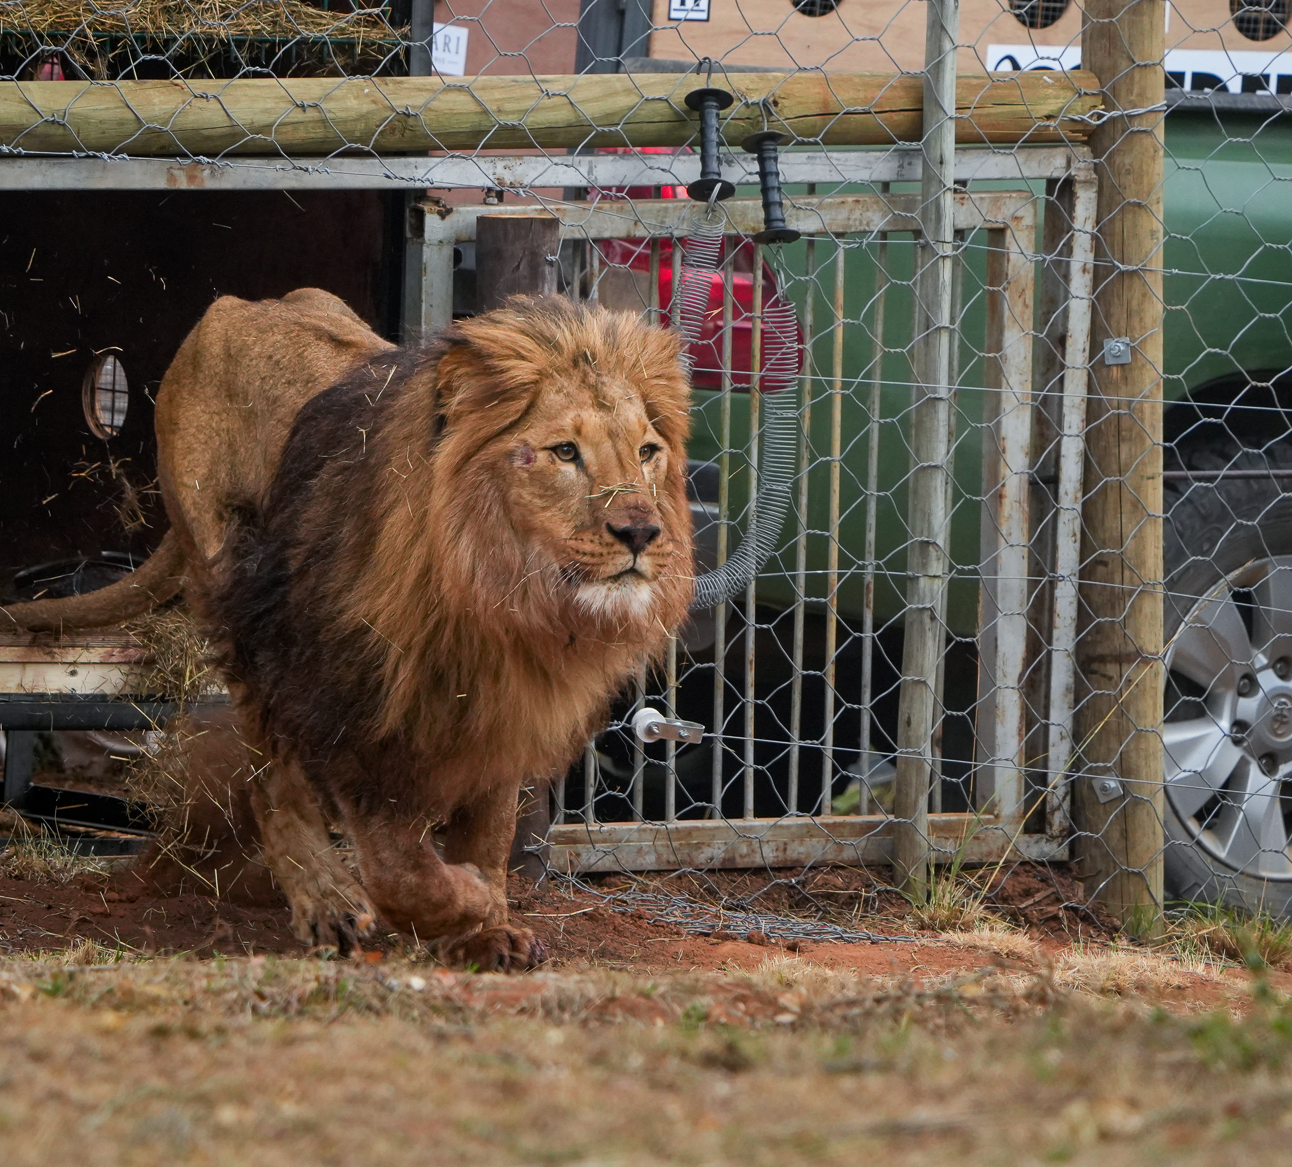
(566, 451)
(648, 451)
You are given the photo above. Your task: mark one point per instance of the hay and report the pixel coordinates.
(179, 662)
(33, 855)
(204, 20)
(201, 37)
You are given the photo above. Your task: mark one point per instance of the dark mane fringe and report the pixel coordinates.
(379, 606)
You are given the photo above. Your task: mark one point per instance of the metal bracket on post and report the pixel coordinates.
(1105, 783)
(1117, 350)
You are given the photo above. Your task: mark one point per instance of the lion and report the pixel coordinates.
(427, 574)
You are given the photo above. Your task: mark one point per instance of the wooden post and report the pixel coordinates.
(929, 516)
(515, 254)
(530, 851)
(1119, 842)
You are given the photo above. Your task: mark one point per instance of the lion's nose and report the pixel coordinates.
(636, 536)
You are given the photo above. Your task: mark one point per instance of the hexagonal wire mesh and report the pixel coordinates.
(902, 677)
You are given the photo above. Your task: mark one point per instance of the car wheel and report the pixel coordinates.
(1228, 700)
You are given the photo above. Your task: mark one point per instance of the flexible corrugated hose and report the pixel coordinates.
(701, 256)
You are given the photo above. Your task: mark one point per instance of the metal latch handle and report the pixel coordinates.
(650, 725)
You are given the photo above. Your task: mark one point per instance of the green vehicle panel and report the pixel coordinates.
(1228, 319)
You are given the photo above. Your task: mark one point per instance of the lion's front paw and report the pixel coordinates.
(338, 921)
(500, 949)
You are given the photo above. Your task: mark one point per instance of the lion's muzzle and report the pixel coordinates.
(636, 536)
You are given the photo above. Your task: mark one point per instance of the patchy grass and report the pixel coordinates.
(1256, 940)
(955, 904)
(1120, 972)
(993, 938)
(296, 1061)
(33, 856)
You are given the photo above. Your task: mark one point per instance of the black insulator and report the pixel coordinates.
(769, 178)
(710, 184)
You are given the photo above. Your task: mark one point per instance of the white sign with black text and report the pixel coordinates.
(449, 49)
(688, 9)
(1198, 69)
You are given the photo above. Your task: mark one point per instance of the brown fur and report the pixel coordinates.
(211, 843)
(421, 604)
(463, 629)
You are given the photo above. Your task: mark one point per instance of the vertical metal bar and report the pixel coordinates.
(590, 784)
(19, 763)
(421, 26)
(670, 746)
(1005, 525)
(639, 752)
(653, 314)
(558, 815)
(872, 512)
(800, 542)
(724, 517)
(1067, 554)
(428, 277)
(675, 305)
(751, 628)
(953, 388)
(832, 545)
(1049, 362)
(594, 272)
(928, 521)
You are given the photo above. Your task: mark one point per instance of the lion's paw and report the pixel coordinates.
(500, 949)
(333, 923)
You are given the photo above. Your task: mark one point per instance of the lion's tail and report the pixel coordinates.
(153, 582)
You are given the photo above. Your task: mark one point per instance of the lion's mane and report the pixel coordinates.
(380, 606)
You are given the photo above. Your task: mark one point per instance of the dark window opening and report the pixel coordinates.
(105, 396)
(1258, 20)
(815, 7)
(1038, 13)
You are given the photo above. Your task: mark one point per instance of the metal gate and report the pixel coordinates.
(831, 590)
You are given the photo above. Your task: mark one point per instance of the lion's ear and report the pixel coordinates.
(667, 392)
(474, 387)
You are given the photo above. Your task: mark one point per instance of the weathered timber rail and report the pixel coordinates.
(404, 115)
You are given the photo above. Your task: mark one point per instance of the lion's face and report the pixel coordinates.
(592, 481)
(583, 470)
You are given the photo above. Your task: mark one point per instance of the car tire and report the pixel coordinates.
(1228, 635)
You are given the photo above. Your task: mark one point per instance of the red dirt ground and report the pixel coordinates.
(576, 925)
(581, 930)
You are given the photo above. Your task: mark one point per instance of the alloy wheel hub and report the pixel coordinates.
(1228, 730)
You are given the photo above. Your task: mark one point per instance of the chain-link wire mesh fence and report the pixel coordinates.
(926, 468)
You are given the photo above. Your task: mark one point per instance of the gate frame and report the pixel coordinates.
(997, 829)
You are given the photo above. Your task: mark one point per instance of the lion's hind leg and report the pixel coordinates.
(329, 907)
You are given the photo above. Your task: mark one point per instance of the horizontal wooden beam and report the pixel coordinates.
(765, 843)
(405, 115)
